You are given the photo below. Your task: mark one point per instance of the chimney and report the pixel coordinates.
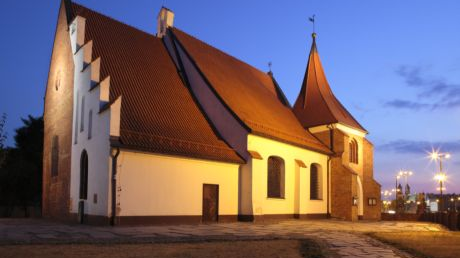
(165, 19)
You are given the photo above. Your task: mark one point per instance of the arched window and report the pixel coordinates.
(84, 175)
(55, 156)
(316, 182)
(353, 152)
(275, 177)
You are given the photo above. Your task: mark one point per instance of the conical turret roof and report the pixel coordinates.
(316, 104)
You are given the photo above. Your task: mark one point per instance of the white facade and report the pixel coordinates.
(94, 140)
(158, 185)
(296, 200)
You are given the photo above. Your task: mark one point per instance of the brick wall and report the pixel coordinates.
(58, 122)
(371, 189)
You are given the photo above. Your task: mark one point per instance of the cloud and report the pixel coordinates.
(405, 104)
(438, 92)
(417, 147)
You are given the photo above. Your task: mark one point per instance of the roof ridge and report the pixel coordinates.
(110, 18)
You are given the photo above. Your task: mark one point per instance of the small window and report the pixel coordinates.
(353, 151)
(82, 120)
(316, 182)
(55, 156)
(372, 202)
(275, 177)
(90, 124)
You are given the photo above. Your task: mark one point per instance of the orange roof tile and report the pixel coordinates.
(316, 104)
(158, 113)
(250, 94)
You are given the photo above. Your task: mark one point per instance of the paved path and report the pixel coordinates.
(347, 239)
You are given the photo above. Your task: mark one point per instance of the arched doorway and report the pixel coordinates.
(83, 185)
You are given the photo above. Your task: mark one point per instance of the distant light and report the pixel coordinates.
(391, 212)
(447, 155)
(440, 177)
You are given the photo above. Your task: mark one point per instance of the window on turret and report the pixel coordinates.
(316, 182)
(353, 151)
(275, 177)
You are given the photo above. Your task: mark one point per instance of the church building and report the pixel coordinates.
(163, 128)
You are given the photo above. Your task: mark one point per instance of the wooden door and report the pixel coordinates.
(210, 203)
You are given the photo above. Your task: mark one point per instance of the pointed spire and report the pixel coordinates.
(316, 104)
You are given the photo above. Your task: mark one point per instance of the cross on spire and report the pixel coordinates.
(312, 20)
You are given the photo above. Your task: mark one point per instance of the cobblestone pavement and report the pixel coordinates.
(346, 239)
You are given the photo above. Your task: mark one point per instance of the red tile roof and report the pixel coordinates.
(250, 94)
(158, 113)
(316, 104)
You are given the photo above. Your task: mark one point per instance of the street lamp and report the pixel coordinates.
(405, 174)
(440, 176)
(396, 186)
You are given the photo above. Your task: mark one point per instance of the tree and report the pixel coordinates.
(21, 175)
(3, 138)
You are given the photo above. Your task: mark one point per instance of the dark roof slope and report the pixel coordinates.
(316, 104)
(158, 113)
(250, 94)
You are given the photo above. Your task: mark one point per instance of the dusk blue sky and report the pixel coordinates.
(395, 65)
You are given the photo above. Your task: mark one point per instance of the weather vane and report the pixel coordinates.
(312, 20)
(270, 66)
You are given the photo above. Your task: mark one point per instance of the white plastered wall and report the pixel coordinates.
(98, 146)
(158, 185)
(297, 194)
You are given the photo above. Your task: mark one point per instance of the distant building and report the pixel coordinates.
(448, 202)
(143, 128)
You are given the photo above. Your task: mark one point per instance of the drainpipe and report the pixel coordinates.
(329, 159)
(114, 186)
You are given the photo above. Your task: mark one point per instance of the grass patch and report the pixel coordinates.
(424, 244)
(305, 248)
(312, 249)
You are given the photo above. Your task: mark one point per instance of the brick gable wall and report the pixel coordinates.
(58, 122)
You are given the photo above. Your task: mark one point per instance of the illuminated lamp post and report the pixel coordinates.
(440, 176)
(405, 174)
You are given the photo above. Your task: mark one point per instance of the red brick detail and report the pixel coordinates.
(371, 189)
(58, 122)
(344, 185)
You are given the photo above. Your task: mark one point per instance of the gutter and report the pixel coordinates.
(114, 185)
(329, 159)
